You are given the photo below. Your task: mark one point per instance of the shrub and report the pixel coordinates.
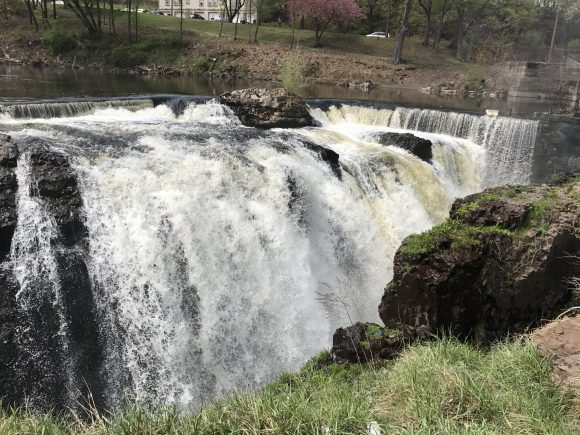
(127, 57)
(574, 44)
(311, 69)
(58, 41)
(291, 74)
(201, 65)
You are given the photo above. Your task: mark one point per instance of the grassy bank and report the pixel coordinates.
(344, 58)
(438, 387)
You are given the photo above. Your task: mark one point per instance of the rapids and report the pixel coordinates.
(220, 255)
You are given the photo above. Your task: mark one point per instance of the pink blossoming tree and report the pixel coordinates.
(324, 12)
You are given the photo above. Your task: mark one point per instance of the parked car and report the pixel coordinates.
(196, 17)
(157, 12)
(379, 35)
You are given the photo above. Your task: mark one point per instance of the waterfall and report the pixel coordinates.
(43, 335)
(509, 142)
(68, 109)
(221, 255)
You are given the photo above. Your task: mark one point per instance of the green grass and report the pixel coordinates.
(197, 31)
(440, 387)
(461, 234)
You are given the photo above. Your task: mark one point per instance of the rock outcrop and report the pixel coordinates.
(8, 159)
(364, 342)
(415, 145)
(54, 183)
(8, 285)
(268, 108)
(500, 264)
(50, 340)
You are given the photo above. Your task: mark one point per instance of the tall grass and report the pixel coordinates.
(442, 387)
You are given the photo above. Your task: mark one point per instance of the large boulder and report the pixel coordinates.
(364, 342)
(268, 108)
(56, 184)
(501, 263)
(415, 145)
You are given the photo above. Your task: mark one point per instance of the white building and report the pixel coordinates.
(211, 10)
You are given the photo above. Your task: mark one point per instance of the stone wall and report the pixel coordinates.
(557, 148)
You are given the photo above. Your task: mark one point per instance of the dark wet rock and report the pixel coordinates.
(364, 342)
(55, 341)
(8, 186)
(326, 155)
(55, 182)
(9, 389)
(268, 108)
(497, 266)
(415, 145)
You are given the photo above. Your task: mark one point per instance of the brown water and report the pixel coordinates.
(28, 83)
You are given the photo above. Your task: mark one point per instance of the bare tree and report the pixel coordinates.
(84, 12)
(427, 6)
(259, 7)
(401, 39)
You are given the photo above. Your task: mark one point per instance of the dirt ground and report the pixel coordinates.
(560, 340)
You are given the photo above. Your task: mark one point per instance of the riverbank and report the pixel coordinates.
(345, 60)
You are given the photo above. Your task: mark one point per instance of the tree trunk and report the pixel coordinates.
(31, 17)
(180, 21)
(554, 33)
(427, 8)
(136, 21)
(250, 23)
(98, 14)
(54, 9)
(388, 26)
(129, 19)
(258, 18)
(459, 33)
(112, 19)
(401, 40)
(237, 18)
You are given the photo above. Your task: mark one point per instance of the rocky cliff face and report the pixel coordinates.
(31, 325)
(8, 285)
(268, 108)
(501, 263)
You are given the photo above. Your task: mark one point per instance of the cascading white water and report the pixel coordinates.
(69, 108)
(221, 255)
(509, 142)
(35, 269)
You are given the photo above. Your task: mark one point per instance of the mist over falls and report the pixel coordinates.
(214, 256)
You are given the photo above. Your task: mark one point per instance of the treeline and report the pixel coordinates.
(480, 30)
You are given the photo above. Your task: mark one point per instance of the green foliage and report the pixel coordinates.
(126, 57)
(291, 74)
(574, 44)
(461, 235)
(442, 386)
(149, 49)
(200, 65)
(474, 205)
(476, 76)
(58, 41)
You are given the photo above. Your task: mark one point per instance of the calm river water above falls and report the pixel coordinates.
(17, 83)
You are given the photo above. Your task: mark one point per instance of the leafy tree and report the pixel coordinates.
(325, 12)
